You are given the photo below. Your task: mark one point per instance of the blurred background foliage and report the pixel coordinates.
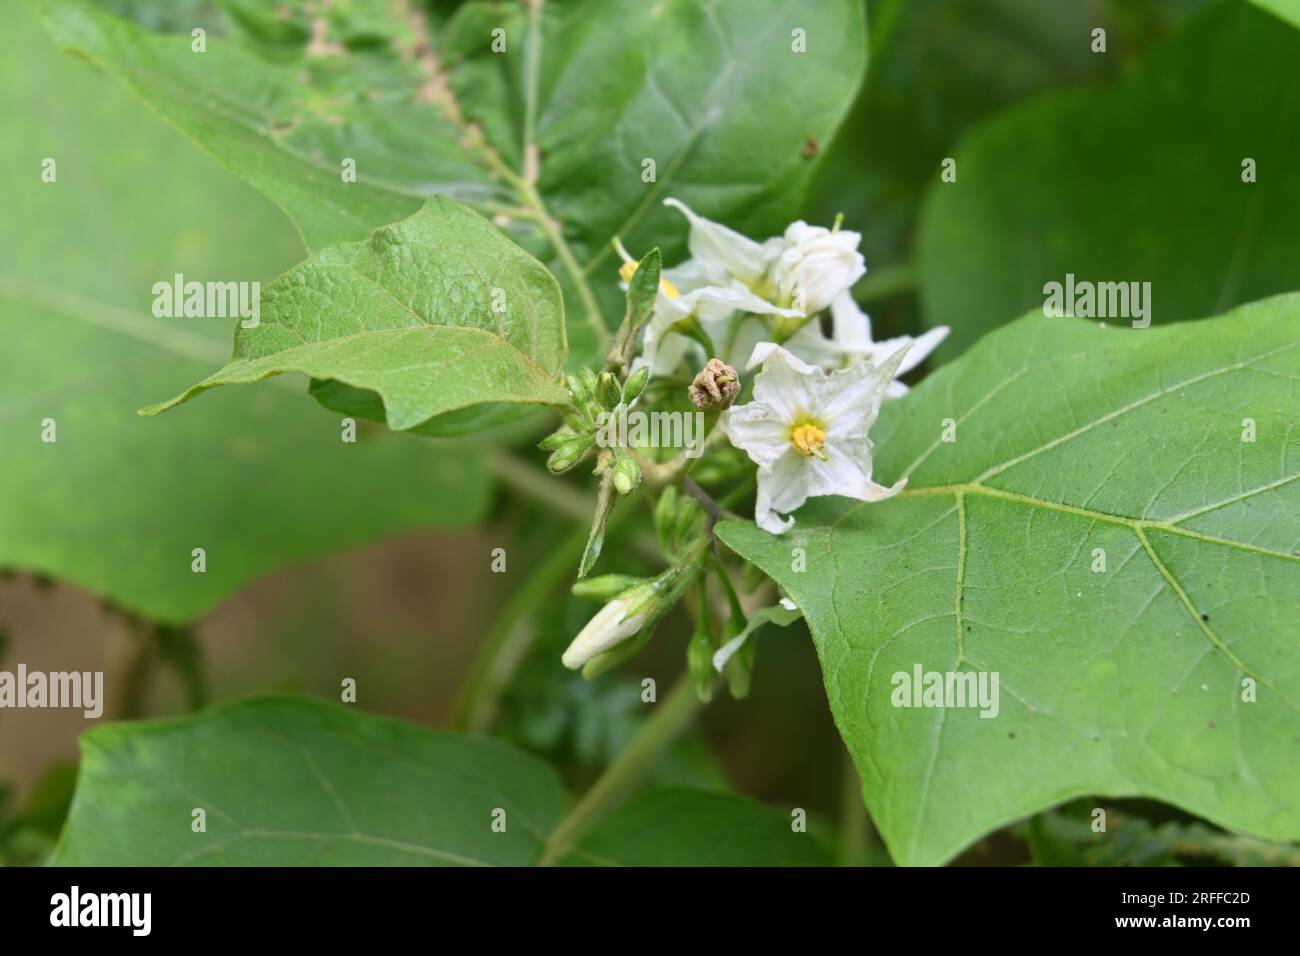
(410, 617)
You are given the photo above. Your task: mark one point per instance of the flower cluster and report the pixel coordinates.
(748, 304)
(782, 307)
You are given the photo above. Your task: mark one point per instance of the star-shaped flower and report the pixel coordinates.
(806, 429)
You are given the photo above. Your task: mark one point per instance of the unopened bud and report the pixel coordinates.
(635, 384)
(716, 387)
(627, 475)
(605, 586)
(699, 658)
(619, 620)
(577, 391)
(568, 454)
(557, 439)
(608, 393)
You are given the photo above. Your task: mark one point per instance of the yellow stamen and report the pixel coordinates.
(809, 440)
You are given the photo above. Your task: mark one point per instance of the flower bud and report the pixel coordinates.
(716, 387)
(557, 439)
(605, 586)
(608, 392)
(568, 454)
(620, 619)
(699, 658)
(635, 384)
(689, 520)
(665, 517)
(627, 475)
(816, 265)
(577, 391)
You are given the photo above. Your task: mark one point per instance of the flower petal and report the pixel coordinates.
(722, 252)
(757, 431)
(783, 487)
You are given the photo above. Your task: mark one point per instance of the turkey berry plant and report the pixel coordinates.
(1044, 560)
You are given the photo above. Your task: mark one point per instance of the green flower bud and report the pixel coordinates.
(558, 439)
(605, 586)
(635, 384)
(699, 657)
(588, 379)
(568, 455)
(608, 393)
(627, 475)
(577, 390)
(689, 520)
(666, 516)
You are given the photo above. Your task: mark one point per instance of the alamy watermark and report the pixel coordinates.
(945, 689)
(179, 299)
(78, 690)
(1099, 300)
(632, 428)
(130, 910)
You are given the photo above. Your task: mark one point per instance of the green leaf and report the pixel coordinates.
(1100, 535)
(1097, 184)
(436, 313)
(1288, 10)
(679, 827)
(918, 100)
(292, 781)
(548, 135)
(259, 479)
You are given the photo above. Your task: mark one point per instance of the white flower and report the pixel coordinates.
(817, 265)
(714, 306)
(613, 624)
(719, 254)
(807, 431)
(850, 343)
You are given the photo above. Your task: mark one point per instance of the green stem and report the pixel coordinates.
(134, 667)
(854, 824)
(668, 722)
(547, 489)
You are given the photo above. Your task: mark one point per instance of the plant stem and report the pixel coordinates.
(854, 824)
(543, 487)
(134, 665)
(669, 720)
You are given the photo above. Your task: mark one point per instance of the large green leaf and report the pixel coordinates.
(434, 314)
(549, 134)
(1139, 182)
(290, 781)
(1075, 445)
(259, 479)
(679, 827)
